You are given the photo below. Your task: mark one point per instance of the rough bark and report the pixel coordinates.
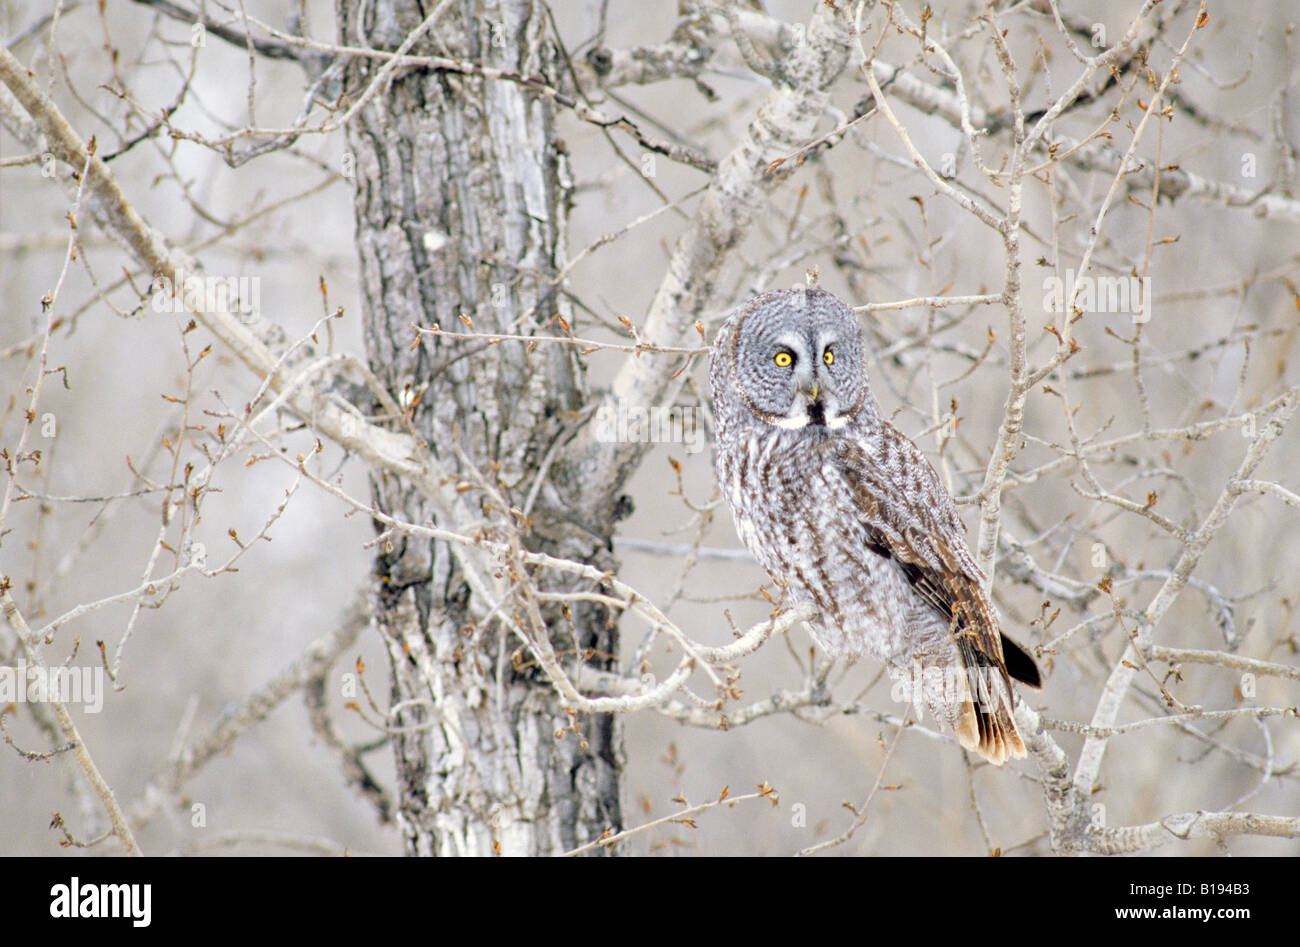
(460, 196)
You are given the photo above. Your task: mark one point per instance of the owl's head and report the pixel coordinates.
(793, 359)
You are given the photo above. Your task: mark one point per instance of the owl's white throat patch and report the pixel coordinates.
(804, 420)
(792, 424)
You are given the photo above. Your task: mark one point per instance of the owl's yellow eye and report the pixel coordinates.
(784, 359)
(828, 357)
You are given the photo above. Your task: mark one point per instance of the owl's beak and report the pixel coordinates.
(809, 389)
(815, 410)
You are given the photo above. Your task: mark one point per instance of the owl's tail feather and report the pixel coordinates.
(1020, 664)
(986, 724)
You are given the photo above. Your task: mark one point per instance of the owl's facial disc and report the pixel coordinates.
(814, 404)
(796, 362)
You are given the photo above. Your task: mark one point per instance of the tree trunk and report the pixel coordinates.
(460, 195)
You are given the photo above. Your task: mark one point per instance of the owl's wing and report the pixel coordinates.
(909, 517)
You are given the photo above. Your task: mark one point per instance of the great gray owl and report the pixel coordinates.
(844, 511)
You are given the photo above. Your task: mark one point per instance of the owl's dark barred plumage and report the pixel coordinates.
(844, 511)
